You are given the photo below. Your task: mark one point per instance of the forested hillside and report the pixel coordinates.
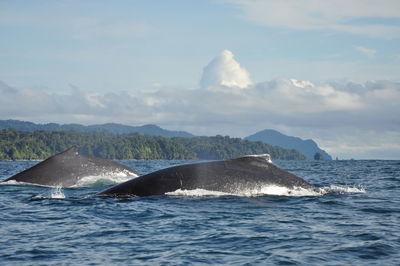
(307, 147)
(22, 145)
(110, 128)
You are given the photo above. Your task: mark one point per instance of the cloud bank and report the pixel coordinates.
(348, 119)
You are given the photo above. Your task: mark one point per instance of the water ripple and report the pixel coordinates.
(355, 223)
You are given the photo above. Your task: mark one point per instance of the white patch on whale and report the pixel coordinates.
(264, 156)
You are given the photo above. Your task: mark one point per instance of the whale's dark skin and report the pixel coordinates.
(231, 176)
(65, 169)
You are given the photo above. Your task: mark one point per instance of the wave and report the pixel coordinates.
(267, 190)
(57, 193)
(198, 192)
(262, 191)
(105, 179)
(270, 190)
(342, 190)
(18, 183)
(54, 193)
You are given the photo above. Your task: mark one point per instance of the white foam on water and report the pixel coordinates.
(109, 178)
(268, 190)
(292, 192)
(272, 190)
(57, 193)
(11, 182)
(18, 183)
(198, 192)
(342, 190)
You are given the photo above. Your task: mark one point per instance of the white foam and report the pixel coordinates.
(293, 192)
(274, 190)
(342, 190)
(253, 192)
(14, 183)
(197, 193)
(108, 178)
(57, 193)
(105, 179)
(10, 182)
(268, 190)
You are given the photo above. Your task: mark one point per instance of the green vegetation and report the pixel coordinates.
(22, 145)
(110, 128)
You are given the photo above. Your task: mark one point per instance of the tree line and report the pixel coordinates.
(22, 145)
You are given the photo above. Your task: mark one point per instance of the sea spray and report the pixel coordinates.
(268, 190)
(342, 190)
(57, 193)
(105, 179)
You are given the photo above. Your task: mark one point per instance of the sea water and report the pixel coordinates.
(354, 220)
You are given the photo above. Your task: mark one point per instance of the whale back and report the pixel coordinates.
(229, 176)
(66, 168)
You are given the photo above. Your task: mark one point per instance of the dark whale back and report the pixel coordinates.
(65, 169)
(249, 172)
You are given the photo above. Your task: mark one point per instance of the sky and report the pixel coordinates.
(322, 70)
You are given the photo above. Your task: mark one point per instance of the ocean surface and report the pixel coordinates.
(355, 220)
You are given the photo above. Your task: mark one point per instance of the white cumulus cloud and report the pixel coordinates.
(224, 70)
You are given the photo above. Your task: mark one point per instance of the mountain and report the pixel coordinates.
(24, 145)
(112, 128)
(307, 147)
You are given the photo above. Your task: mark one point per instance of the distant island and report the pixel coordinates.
(307, 147)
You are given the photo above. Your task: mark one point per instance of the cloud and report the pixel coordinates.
(366, 51)
(224, 70)
(77, 106)
(372, 144)
(346, 118)
(356, 17)
(78, 27)
(334, 114)
(290, 96)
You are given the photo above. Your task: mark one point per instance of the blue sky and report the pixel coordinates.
(100, 54)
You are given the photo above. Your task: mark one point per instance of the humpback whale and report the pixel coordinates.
(231, 176)
(65, 169)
